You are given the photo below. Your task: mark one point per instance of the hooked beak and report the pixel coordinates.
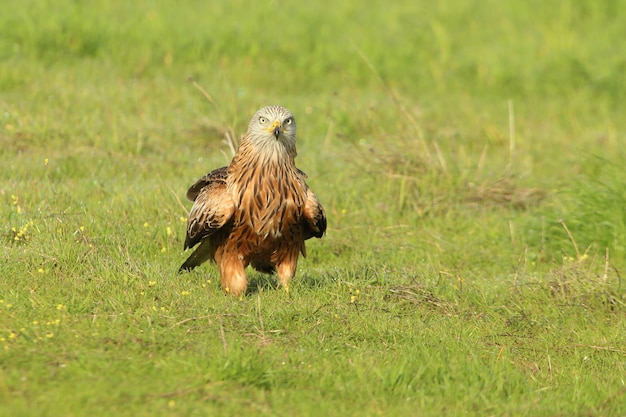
(275, 129)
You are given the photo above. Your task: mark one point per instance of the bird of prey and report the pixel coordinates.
(257, 211)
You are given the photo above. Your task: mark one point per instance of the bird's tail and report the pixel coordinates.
(199, 256)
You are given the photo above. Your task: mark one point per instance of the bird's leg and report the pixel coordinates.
(233, 276)
(286, 270)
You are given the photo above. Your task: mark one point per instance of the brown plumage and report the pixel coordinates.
(259, 210)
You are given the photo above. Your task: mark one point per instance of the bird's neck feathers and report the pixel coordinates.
(261, 178)
(262, 153)
(257, 163)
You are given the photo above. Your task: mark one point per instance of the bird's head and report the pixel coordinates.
(273, 124)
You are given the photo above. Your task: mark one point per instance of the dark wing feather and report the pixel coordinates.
(217, 175)
(314, 217)
(200, 255)
(314, 214)
(212, 208)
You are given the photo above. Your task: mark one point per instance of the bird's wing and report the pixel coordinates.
(217, 175)
(212, 206)
(314, 214)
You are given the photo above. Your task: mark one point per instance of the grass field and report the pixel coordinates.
(470, 156)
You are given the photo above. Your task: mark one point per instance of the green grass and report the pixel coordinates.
(469, 156)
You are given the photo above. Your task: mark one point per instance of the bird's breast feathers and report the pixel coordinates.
(270, 212)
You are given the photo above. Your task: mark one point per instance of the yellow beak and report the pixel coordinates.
(275, 129)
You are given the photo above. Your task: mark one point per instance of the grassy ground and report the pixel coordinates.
(470, 157)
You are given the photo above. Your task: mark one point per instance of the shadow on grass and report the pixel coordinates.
(266, 282)
(261, 282)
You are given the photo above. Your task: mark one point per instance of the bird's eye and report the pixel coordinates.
(288, 121)
(263, 120)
